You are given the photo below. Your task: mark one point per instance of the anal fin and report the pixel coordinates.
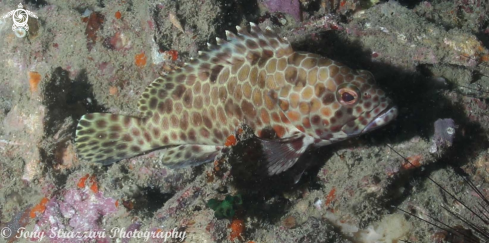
(281, 154)
(189, 155)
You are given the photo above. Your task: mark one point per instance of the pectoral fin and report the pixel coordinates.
(281, 154)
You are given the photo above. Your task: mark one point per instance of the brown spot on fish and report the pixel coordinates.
(326, 112)
(251, 44)
(315, 120)
(135, 132)
(183, 136)
(307, 93)
(215, 72)
(203, 75)
(265, 117)
(243, 73)
(281, 64)
(207, 121)
(271, 82)
(152, 103)
(293, 116)
(178, 92)
(253, 76)
(198, 102)
(156, 118)
(328, 98)
(294, 100)
(192, 135)
(191, 79)
(284, 118)
(257, 99)
(309, 63)
(271, 65)
(88, 116)
(204, 132)
(301, 78)
(180, 78)
(188, 98)
(248, 109)
(333, 70)
(184, 121)
(101, 123)
(279, 130)
(174, 121)
(223, 76)
(114, 117)
(262, 76)
(338, 79)
(275, 117)
(306, 122)
(304, 108)
(237, 92)
(323, 62)
(247, 90)
(279, 79)
(284, 104)
(127, 138)
(323, 74)
(156, 133)
(291, 74)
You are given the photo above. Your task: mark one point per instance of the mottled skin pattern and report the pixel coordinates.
(290, 99)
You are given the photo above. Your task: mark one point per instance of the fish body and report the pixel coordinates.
(292, 101)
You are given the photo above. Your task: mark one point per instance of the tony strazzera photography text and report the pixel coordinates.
(113, 233)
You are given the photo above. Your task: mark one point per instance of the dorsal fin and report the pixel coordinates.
(254, 48)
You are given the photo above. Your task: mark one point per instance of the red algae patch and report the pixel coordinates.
(39, 208)
(34, 80)
(140, 59)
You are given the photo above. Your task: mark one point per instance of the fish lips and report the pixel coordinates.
(383, 118)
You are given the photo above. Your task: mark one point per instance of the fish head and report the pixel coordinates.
(356, 107)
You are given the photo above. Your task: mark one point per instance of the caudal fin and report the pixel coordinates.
(107, 138)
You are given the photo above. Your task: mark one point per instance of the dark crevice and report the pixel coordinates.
(233, 13)
(37, 3)
(66, 100)
(410, 3)
(101, 3)
(148, 201)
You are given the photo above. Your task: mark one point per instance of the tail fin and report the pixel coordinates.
(107, 138)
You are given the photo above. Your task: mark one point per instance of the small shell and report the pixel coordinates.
(175, 22)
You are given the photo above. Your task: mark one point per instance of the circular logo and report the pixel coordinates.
(6, 232)
(20, 18)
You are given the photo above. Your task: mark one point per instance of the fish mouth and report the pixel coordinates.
(383, 118)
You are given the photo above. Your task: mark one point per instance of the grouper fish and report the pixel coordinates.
(292, 101)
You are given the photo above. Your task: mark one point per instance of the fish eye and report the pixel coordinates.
(348, 96)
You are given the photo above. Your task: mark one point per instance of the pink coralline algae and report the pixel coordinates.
(80, 211)
(291, 7)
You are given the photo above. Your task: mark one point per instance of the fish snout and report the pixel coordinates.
(383, 118)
